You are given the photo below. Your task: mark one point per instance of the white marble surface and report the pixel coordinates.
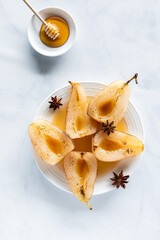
(115, 39)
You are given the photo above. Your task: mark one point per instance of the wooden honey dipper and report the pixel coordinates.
(51, 30)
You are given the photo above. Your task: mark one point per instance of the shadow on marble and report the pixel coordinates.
(45, 64)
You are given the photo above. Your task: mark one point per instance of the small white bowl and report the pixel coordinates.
(55, 174)
(35, 26)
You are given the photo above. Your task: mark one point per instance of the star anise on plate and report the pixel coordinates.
(55, 103)
(120, 180)
(108, 127)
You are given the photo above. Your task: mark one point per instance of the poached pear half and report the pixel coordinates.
(111, 103)
(78, 123)
(115, 146)
(50, 143)
(81, 171)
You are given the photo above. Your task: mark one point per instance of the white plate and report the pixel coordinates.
(55, 173)
(35, 26)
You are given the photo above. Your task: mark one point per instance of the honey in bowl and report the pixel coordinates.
(63, 27)
(85, 144)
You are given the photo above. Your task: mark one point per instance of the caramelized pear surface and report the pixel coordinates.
(111, 103)
(81, 171)
(116, 146)
(51, 143)
(78, 123)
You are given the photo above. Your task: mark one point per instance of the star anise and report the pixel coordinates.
(55, 103)
(108, 127)
(119, 180)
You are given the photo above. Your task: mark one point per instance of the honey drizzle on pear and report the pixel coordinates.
(85, 144)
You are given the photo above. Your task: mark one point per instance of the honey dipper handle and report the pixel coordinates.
(40, 18)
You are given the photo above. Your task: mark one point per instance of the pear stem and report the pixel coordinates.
(134, 77)
(90, 208)
(71, 83)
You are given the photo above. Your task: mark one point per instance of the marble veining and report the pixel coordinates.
(115, 39)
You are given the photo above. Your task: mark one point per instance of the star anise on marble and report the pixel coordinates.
(108, 127)
(55, 103)
(119, 180)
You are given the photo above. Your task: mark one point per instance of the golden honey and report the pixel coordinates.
(106, 108)
(110, 145)
(53, 144)
(83, 144)
(82, 168)
(63, 30)
(79, 123)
